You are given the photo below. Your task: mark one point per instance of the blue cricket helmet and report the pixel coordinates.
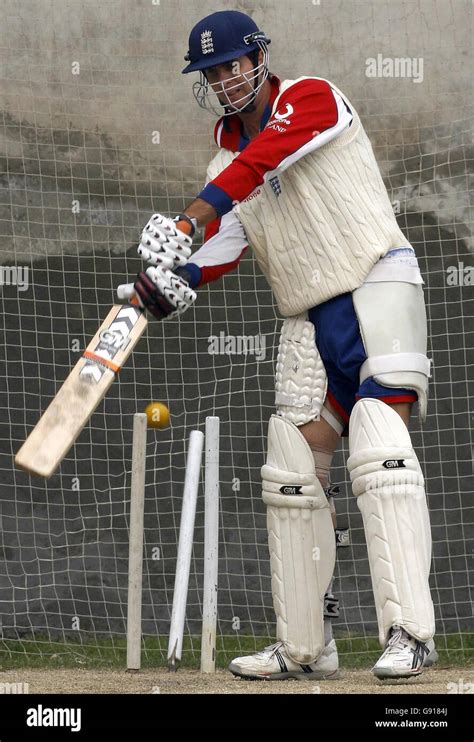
(222, 37)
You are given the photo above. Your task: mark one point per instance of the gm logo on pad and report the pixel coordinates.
(291, 489)
(394, 464)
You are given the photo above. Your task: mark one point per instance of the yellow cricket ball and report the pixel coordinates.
(158, 415)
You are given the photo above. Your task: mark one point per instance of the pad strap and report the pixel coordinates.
(395, 362)
(332, 420)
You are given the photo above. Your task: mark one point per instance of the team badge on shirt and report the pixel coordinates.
(276, 185)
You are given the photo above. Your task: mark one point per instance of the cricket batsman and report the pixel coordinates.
(296, 178)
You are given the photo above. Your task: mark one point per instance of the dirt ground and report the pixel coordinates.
(81, 680)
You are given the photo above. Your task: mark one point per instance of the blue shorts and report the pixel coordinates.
(342, 351)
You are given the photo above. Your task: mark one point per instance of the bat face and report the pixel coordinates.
(108, 349)
(83, 390)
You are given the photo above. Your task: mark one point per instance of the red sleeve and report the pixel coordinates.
(212, 228)
(213, 272)
(304, 111)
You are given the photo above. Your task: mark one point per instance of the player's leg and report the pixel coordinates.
(302, 554)
(323, 436)
(385, 338)
(386, 476)
(299, 519)
(404, 409)
(388, 483)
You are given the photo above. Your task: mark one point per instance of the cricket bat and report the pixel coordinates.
(83, 390)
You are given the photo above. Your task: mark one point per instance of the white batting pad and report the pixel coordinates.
(301, 540)
(389, 486)
(301, 382)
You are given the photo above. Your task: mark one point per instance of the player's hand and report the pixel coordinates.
(167, 242)
(163, 293)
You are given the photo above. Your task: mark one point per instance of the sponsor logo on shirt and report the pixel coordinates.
(281, 118)
(253, 195)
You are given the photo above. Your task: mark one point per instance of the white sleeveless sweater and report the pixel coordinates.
(329, 225)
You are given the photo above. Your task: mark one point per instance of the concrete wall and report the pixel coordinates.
(85, 141)
(92, 132)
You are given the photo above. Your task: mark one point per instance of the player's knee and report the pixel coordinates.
(403, 409)
(289, 469)
(322, 439)
(382, 459)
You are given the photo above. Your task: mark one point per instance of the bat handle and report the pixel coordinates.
(126, 291)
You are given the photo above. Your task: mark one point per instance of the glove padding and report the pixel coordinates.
(164, 293)
(164, 244)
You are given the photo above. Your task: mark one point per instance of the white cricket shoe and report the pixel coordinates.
(403, 657)
(433, 655)
(273, 663)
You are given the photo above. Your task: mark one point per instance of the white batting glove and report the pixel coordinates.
(160, 291)
(164, 243)
(176, 291)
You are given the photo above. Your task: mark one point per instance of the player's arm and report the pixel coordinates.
(166, 243)
(309, 114)
(314, 113)
(224, 244)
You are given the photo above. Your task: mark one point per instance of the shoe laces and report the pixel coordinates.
(272, 648)
(398, 636)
